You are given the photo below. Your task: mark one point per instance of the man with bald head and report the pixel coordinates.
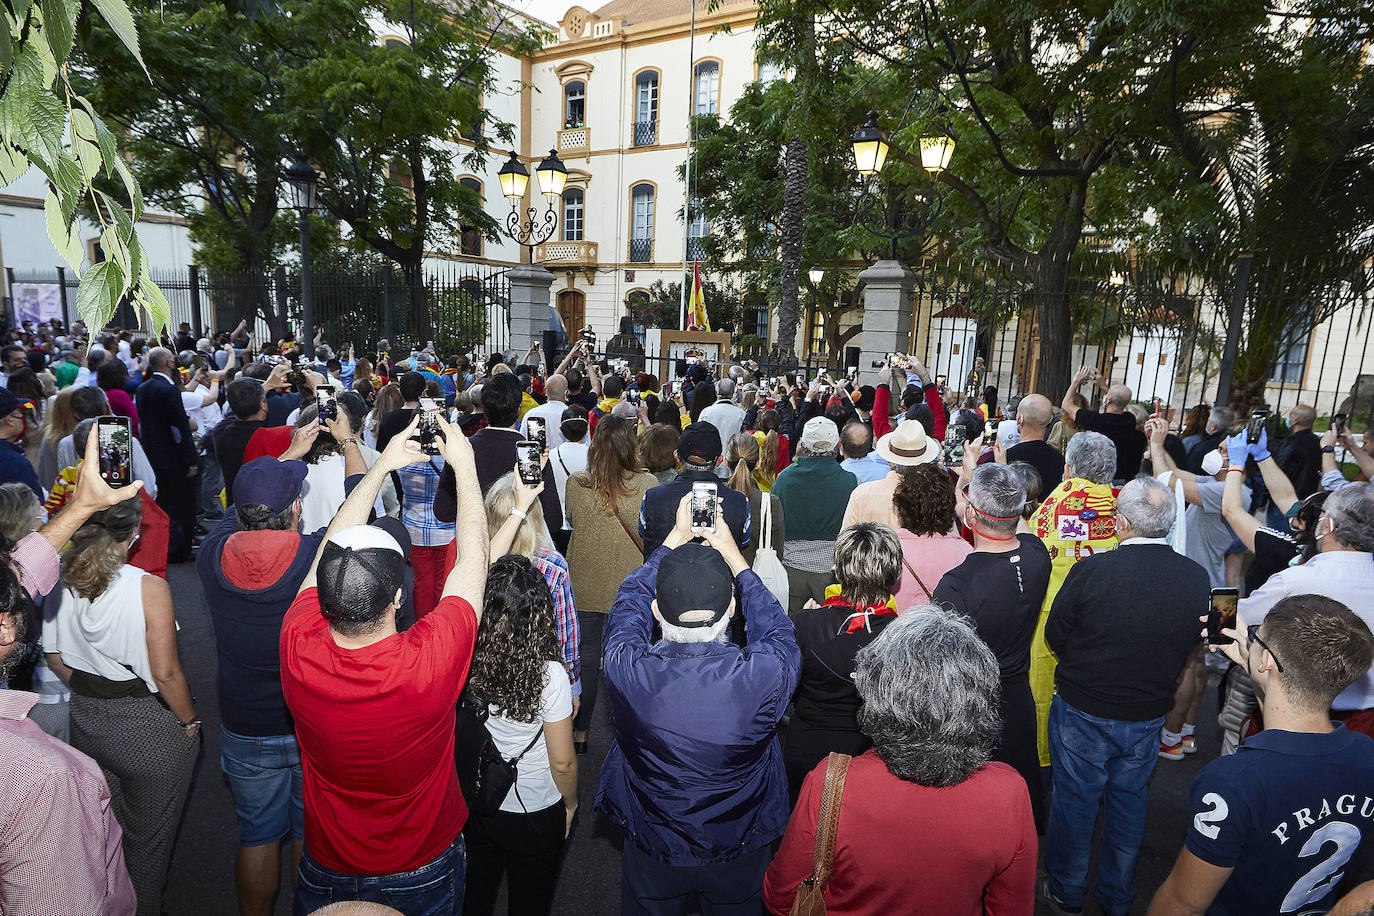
(1299, 454)
(551, 411)
(1113, 421)
(166, 435)
(1034, 415)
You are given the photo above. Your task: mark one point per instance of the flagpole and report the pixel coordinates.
(687, 178)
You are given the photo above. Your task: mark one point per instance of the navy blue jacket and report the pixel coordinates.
(695, 774)
(15, 468)
(658, 511)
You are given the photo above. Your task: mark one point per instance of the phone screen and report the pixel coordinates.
(1338, 423)
(430, 435)
(325, 405)
(1221, 614)
(703, 507)
(115, 448)
(527, 454)
(538, 433)
(1255, 426)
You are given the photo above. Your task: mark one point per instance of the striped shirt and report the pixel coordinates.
(419, 486)
(555, 570)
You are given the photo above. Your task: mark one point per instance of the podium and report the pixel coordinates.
(665, 346)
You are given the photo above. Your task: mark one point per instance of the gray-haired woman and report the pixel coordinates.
(924, 815)
(868, 566)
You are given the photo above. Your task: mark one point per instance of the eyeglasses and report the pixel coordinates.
(1252, 633)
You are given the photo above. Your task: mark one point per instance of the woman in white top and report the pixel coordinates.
(114, 641)
(567, 460)
(516, 670)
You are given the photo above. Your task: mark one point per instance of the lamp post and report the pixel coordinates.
(304, 182)
(816, 274)
(893, 219)
(515, 178)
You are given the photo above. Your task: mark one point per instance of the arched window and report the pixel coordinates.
(769, 71)
(707, 93)
(572, 215)
(470, 237)
(646, 108)
(642, 223)
(574, 104)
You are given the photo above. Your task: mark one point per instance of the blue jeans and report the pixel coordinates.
(1097, 761)
(649, 887)
(433, 889)
(265, 777)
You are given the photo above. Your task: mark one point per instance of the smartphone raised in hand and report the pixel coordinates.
(704, 507)
(537, 432)
(527, 455)
(114, 445)
(1255, 425)
(325, 404)
(1221, 615)
(430, 435)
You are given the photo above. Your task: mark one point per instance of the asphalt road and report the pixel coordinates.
(202, 875)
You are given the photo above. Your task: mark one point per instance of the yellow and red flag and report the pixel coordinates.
(696, 303)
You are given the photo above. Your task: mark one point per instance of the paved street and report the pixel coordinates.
(202, 878)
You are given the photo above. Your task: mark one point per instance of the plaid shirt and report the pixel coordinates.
(419, 486)
(555, 570)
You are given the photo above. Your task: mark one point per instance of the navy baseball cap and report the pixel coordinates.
(699, 443)
(694, 581)
(268, 482)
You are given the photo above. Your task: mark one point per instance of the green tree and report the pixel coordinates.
(1041, 98)
(381, 121)
(661, 306)
(45, 122)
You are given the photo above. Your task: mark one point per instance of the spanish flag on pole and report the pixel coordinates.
(696, 303)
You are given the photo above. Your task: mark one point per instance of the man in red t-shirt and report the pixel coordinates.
(374, 708)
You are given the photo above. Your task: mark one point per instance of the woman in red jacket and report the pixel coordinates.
(930, 691)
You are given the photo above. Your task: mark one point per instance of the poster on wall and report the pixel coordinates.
(36, 302)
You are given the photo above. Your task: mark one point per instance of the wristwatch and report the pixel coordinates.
(1329, 449)
(191, 727)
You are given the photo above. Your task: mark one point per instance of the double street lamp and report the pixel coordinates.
(304, 181)
(515, 178)
(893, 220)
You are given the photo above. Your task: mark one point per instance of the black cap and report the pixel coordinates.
(699, 443)
(694, 577)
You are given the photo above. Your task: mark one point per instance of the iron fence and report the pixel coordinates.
(466, 304)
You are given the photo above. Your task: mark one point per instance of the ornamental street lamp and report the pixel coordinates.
(888, 215)
(816, 274)
(515, 179)
(304, 181)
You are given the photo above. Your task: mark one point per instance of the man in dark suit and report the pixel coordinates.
(166, 437)
(493, 450)
(1299, 453)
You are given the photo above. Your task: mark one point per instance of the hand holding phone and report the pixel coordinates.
(1221, 615)
(704, 507)
(528, 464)
(116, 451)
(325, 404)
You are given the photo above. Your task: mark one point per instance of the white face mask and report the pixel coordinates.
(1212, 463)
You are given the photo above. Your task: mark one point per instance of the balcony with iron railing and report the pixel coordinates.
(696, 249)
(566, 254)
(641, 251)
(645, 133)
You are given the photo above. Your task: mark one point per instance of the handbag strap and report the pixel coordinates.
(916, 577)
(766, 501)
(828, 819)
(639, 545)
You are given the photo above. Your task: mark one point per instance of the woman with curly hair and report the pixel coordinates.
(517, 671)
(931, 544)
(114, 642)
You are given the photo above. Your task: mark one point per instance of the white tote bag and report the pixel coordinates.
(766, 563)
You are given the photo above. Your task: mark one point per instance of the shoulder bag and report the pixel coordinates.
(484, 775)
(767, 566)
(810, 899)
(917, 578)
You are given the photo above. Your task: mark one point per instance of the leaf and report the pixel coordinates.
(40, 134)
(66, 241)
(116, 249)
(118, 17)
(84, 143)
(98, 294)
(6, 43)
(12, 164)
(130, 185)
(138, 262)
(154, 301)
(24, 85)
(59, 26)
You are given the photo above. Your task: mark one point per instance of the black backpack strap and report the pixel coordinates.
(533, 741)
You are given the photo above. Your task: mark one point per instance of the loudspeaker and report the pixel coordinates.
(851, 358)
(551, 355)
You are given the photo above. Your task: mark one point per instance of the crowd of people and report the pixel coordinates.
(897, 646)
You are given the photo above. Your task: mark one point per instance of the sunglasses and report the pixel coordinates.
(1252, 633)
